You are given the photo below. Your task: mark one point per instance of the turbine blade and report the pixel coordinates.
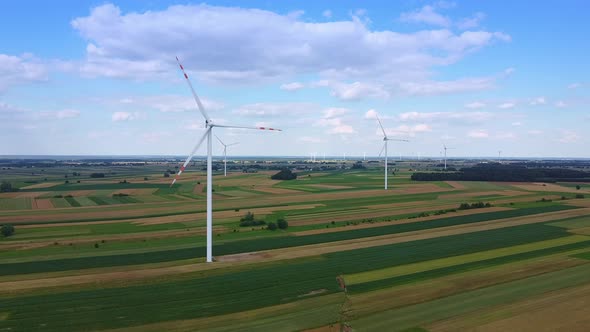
(236, 143)
(382, 149)
(381, 125)
(220, 140)
(199, 104)
(243, 127)
(398, 140)
(190, 156)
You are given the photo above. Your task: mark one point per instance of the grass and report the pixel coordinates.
(72, 201)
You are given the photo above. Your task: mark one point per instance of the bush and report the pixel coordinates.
(283, 224)
(7, 230)
(248, 220)
(6, 187)
(271, 226)
(166, 175)
(578, 187)
(284, 174)
(97, 175)
(579, 196)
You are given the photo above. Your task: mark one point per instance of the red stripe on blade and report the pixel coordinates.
(185, 76)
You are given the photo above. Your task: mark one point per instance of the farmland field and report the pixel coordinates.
(125, 252)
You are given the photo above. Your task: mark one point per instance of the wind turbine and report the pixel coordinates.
(385, 140)
(209, 125)
(446, 148)
(225, 154)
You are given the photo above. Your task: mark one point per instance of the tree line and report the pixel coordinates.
(510, 173)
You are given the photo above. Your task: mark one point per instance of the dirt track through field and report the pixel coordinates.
(41, 185)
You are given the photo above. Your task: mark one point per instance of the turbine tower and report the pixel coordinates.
(446, 148)
(209, 125)
(225, 154)
(384, 148)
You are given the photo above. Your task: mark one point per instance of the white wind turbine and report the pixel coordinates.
(384, 148)
(446, 148)
(225, 154)
(209, 125)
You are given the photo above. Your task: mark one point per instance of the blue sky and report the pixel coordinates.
(90, 77)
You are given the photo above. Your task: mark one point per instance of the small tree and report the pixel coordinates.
(271, 226)
(5, 187)
(578, 187)
(282, 223)
(7, 230)
(166, 175)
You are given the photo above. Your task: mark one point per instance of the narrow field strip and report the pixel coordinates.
(396, 271)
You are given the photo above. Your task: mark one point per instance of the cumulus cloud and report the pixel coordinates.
(569, 136)
(427, 15)
(60, 115)
(274, 109)
(560, 104)
(538, 101)
(292, 86)
(574, 86)
(471, 22)
(170, 103)
(327, 13)
(469, 117)
(407, 130)
(309, 139)
(475, 105)
(15, 70)
(256, 45)
(478, 134)
(371, 114)
(125, 116)
(354, 91)
(506, 106)
(447, 87)
(332, 118)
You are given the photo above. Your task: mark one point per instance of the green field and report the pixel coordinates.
(98, 260)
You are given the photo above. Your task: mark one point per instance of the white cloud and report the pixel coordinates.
(327, 13)
(506, 135)
(67, 113)
(516, 124)
(478, 134)
(427, 15)
(371, 114)
(574, 86)
(15, 70)
(170, 103)
(475, 105)
(569, 136)
(406, 130)
(471, 22)
(60, 115)
(357, 90)
(469, 117)
(538, 101)
(253, 45)
(334, 112)
(447, 87)
(274, 109)
(535, 132)
(292, 86)
(125, 116)
(560, 104)
(309, 139)
(506, 106)
(332, 118)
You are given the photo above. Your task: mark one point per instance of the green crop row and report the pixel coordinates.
(208, 294)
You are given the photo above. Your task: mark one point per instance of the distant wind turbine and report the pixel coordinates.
(384, 148)
(446, 148)
(209, 125)
(225, 154)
